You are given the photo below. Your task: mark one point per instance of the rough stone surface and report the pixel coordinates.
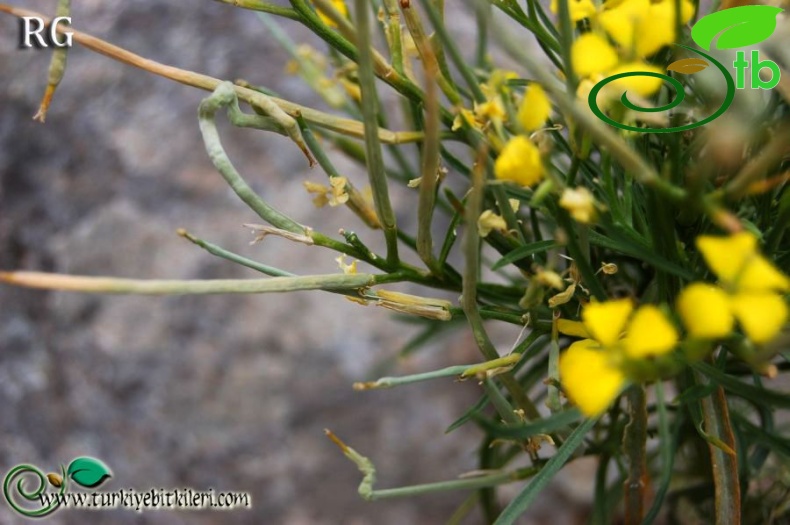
(229, 392)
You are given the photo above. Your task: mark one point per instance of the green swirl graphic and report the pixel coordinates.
(680, 94)
(35, 495)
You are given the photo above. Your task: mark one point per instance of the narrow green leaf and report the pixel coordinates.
(520, 503)
(643, 253)
(547, 425)
(469, 414)
(694, 393)
(762, 396)
(756, 434)
(524, 251)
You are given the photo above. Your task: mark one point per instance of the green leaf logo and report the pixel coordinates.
(88, 472)
(741, 26)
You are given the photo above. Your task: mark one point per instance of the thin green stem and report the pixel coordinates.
(474, 206)
(455, 54)
(112, 285)
(635, 447)
(430, 173)
(265, 7)
(724, 463)
(462, 371)
(375, 161)
(225, 96)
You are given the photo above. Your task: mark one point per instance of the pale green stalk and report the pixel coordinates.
(368, 470)
(57, 67)
(111, 285)
(430, 170)
(474, 205)
(462, 371)
(370, 106)
(255, 98)
(424, 48)
(225, 96)
(453, 51)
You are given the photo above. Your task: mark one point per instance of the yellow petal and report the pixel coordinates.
(642, 85)
(759, 275)
(621, 19)
(519, 162)
(588, 377)
(535, 108)
(578, 9)
(726, 256)
(762, 316)
(656, 29)
(650, 333)
(489, 221)
(580, 203)
(705, 310)
(592, 54)
(606, 321)
(340, 5)
(572, 328)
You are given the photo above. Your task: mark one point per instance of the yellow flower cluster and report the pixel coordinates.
(594, 371)
(748, 291)
(520, 161)
(639, 28)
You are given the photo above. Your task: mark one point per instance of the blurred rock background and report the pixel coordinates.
(229, 392)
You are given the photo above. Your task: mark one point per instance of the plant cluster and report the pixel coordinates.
(648, 270)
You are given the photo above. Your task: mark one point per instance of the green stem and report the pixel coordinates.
(454, 52)
(634, 444)
(376, 173)
(225, 96)
(265, 7)
(474, 206)
(427, 54)
(430, 173)
(716, 416)
(111, 285)
(463, 371)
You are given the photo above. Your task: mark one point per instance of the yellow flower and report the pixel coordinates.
(641, 85)
(580, 203)
(519, 162)
(578, 9)
(340, 6)
(739, 266)
(591, 370)
(748, 292)
(535, 108)
(705, 310)
(641, 25)
(490, 111)
(591, 54)
(465, 116)
(589, 377)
